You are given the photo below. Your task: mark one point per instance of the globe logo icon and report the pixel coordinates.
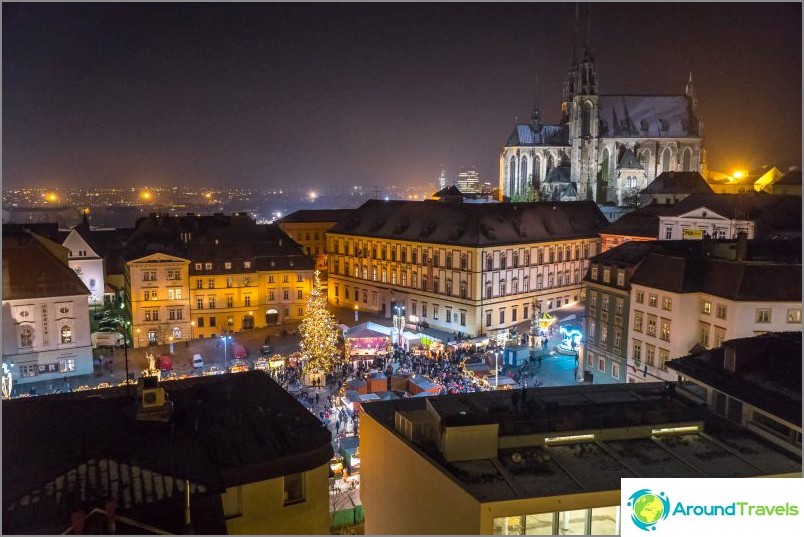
(648, 508)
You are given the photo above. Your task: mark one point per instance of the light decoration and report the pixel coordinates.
(545, 320)
(572, 335)
(319, 333)
(7, 381)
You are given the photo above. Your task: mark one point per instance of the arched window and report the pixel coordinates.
(550, 164)
(686, 160)
(539, 256)
(586, 119)
(644, 156)
(512, 176)
(666, 160)
(523, 172)
(537, 169)
(630, 182)
(66, 334)
(604, 166)
(176, 332)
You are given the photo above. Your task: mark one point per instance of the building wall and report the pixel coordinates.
(384, 279)
(242, 289)
(607, 242)
(712, 224)
(606, 360)
(296, 283)
(403, 493)
(48, 358)
(259, 508)
(144, 330)
(87, 265)
(312, 237)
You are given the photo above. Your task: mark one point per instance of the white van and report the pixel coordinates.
(198, 362)
(106, 339)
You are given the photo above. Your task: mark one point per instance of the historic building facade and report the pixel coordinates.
(461, 267)
(606, 147)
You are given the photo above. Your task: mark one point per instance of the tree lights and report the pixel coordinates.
(319, 333)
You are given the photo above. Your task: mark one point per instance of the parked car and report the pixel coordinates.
(266, 350)
(198, 361)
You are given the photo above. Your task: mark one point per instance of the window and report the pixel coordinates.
(198, 266)
(653, 300)
(721, 311)
(513, 314)
(594, 272)
(593, 299)
(199, 284)
(272, 296)
(601, 364)
(668, 233)
(637, 321)
(618, 337)
(211, 283)
(665, 333)
(199, 303)
(706, 307)
(651, 325)
(462, 291)
(620, 278)
(424, 309)
(208, 266)
(300, 312)
(404, 278)
(247, 264)
(149, 275)
(794, 315)
(299, 278)
(667, 303)
(604, 333)
(247, 300)
(502, 288)
(212, 302)
(435, 311)
(664, 355)
(413, 304)
(463, 318)
(228, 282)
(449, 315)
(448, 289)
(703, 334)
(640, 297)
(488, 317)
(592, 329)
(365, 296)
(637, 351)
(488, 262)
(200, 322)
(66, 334)
(590, 359)
(271, 278)
(227, 265)
(606, 274)
(286, 294)
(464, 262)
(285, 278)
(650, 355)
(503, 261)
(502, 316)
(763, 315)
(229, 301)
(720, 335)
(619, 306)
(604, 303)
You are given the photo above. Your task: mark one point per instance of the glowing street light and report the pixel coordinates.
(51, 197)
(312, 195)
(146, 195)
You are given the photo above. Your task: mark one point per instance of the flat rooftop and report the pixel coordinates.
(718, 449)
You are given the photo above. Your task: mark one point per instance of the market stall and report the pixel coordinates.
(377, 382)
(367, 340)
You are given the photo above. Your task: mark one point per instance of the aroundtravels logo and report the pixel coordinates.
(648, 508)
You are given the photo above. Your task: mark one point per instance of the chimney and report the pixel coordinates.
(742, 246)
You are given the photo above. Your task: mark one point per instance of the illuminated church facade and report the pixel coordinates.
(606, 147)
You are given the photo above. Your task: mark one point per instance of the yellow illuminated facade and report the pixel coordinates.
(296, 504)
(474, 290)
(159, 299)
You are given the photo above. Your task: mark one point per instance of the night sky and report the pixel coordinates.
(319, 95)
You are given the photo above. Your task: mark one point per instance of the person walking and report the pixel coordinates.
(316, 398)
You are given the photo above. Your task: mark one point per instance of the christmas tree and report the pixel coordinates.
(319, 333)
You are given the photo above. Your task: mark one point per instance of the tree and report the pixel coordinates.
(319, 333)
(633, 199)
(530, 194)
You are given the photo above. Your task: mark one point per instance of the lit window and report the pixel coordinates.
(794, 315)
(706, 307)
(26, 337)
(667, 303)
(653, 300)
(763, 315)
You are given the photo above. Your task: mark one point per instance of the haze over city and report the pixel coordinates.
(266, 95)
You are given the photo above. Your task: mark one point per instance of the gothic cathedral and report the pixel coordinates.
(606, 147)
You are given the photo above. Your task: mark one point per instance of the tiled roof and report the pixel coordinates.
(653, 116)
(643, 222)
(227, 430)
(628, 254)
(678, 183)
(793, 177)
(30, 270)
(315, 215)
(768, 375)
(474, 224)
(550, 135)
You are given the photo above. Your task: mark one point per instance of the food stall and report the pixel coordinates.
(420, 383)
(367, 340)
(238, 366)
(399, 380)
(357, 385)
(377, 382)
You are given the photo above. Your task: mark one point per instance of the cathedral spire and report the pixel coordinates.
(690, 92)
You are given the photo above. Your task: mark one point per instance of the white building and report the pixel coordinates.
(723, 216)
(87, 264)
(45, 312)
(683, 300)
(468, 181)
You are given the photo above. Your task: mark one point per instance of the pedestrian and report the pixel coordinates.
(337, 426)
(316, 398)
(540, 360)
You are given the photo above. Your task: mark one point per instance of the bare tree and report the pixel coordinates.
(633, 199)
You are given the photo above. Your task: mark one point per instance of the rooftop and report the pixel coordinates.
(643, 222)
(315, 215)
(227, 430)
(678, 183)
(476, 225)
(766, 374)
(530, 466)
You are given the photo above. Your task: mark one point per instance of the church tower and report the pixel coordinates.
(582, 103)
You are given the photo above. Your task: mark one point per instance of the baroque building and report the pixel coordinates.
(605, 146)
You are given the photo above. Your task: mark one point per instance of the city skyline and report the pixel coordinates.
(265, 95)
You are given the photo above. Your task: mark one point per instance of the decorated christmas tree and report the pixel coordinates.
(319, 333)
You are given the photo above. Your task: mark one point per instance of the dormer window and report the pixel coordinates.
(208, 266)
(198, 266)
(227, 265)
(247, 264)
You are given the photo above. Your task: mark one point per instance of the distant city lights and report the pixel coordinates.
(312, 195)
(146, 195)
(51, 197)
